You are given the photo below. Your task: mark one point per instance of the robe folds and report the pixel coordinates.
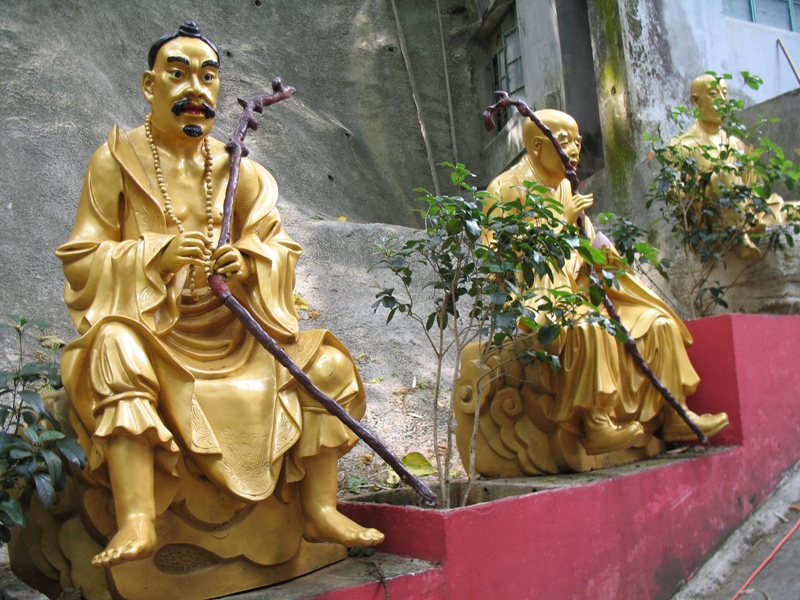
(596, 370)
(183, 374)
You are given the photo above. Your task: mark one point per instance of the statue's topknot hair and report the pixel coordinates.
(187, 29)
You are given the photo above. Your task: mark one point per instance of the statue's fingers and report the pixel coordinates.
(230, 269)
(222, 251)
(193, 251)
(223, 261)
(194, 243)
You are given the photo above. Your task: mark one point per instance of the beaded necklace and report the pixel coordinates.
(171, 213)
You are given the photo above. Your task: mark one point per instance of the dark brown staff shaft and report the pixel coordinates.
(237, 149)
(572, 176)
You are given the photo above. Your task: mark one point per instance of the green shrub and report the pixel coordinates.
(31, 442)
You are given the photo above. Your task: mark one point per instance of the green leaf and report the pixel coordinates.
(50, 435)
(504, 319)
(499, 297)
(31, 434)
(473, 228)
(453, 226)
(354, 484)
(621, 335)
(38, 323)
(11, 513)
(55, 468)
(418, 464)
(26, 467)
(547, 334)
(33, 400)
(10, 440)
(72, 451)
(45, 489)
(596, 295)
(19, 453)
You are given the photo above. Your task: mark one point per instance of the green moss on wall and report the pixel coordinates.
(618, 140)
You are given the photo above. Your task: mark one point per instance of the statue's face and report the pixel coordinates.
(182, 88)
(705, 98)
(565, 129)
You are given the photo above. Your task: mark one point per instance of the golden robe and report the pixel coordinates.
(596, 370)
(185, 375)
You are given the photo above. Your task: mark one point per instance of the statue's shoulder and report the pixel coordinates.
(218, 149)
(509, 181)
(690, 137)
(737, 143)
(103, 166)
(256, 185)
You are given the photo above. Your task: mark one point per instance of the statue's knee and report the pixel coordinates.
(116, 334)
(663, 328)
(332, 371)
(121, 363)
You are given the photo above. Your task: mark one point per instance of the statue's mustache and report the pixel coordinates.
(181, 105)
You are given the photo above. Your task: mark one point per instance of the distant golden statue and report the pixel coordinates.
(599, 409)
(204, 456)
(706, 142)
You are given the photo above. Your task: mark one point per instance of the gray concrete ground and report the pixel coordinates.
(726, 572)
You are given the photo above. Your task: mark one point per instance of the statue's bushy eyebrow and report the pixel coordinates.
(179, 59)
(210, 63)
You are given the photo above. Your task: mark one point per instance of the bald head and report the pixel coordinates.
(555, 120)
(543, 155)
(705, 90)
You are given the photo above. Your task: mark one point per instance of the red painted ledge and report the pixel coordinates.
(636, 536)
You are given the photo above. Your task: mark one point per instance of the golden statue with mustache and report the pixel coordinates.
(201, 449)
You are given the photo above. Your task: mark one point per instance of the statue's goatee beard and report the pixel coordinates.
(193, 131)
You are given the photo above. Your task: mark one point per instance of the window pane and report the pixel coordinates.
(774, 13)
(512, 46)
(514, 76)
(738, 9)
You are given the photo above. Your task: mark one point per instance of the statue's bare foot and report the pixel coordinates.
(329, 525)
(135, 539)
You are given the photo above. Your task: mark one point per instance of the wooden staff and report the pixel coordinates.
(217, 283)
(572, 176)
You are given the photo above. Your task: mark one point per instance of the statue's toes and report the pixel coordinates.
(114, 556)
(102, 560)
(371, 537)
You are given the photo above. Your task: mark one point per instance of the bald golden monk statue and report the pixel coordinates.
(599, 409)
(202, 450)
(705, 142)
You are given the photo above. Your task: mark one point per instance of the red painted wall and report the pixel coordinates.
(638, 536)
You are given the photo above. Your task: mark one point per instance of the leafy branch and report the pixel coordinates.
(32, 445)
(489, 270)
